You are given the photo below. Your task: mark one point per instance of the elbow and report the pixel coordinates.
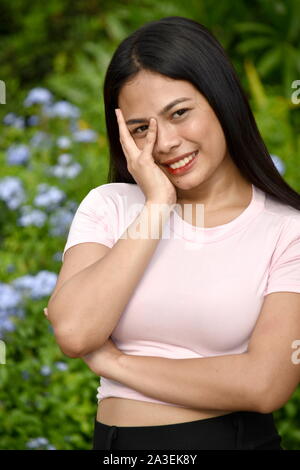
(70, 352)
(270, 400)
(64, 338)
(75, 347)
(256, 396)
(73, 340)
(68, 345)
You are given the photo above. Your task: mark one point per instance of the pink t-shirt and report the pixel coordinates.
(203, 289)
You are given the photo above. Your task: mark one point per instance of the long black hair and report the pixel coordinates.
(181, 48)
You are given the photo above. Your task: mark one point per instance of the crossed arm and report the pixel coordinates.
(261, 379)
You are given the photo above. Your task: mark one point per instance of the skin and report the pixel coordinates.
(103, 361)
(214, 181)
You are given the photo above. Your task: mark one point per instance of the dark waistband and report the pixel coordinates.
(251, 428)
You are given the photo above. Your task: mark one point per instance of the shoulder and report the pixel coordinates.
(120, 190)
(281, 211)
(281, 218)
(284, 222)
(114, 200)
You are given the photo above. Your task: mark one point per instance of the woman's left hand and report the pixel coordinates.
(105, 360)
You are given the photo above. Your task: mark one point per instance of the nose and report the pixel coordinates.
(167, 139)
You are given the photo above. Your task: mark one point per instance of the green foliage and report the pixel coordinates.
(274, 43)
(37, 398)
(274, 116)
(60, 406)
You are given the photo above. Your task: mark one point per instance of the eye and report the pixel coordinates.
(183, 109)
(135, 131)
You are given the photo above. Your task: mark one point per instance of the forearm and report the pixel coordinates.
(86, 309)
(213, 383)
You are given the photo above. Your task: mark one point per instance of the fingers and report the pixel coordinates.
(126, 140)
(151, 136)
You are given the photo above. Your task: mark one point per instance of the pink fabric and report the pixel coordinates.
(203, 290)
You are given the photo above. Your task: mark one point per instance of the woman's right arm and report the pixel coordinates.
(88, 306)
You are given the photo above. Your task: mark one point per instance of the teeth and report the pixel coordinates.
(184, 161)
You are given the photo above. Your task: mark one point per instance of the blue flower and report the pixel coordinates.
(10, 301)
(63, 142)
(24, 284)
(85, 135)
(61, 366)
(10, 268)
(64, 171)
(12, 192)
(25, 375)
(6, 325)
(17, 154)
(30, 216)
(49, 197)
(33, 120)
(279, 164)
(73, 170)
(62, 109)
(11, 119)
(9, 297)
(36, 287)
(60, 222)
(45, 282)
(57, 256)
(38, 95)
(46, 370)
(64, 159)
(41, 139)
(37, 442)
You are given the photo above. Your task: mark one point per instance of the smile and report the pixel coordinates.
(183, 165)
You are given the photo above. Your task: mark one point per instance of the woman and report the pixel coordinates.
(202, 316)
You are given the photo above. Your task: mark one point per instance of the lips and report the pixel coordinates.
(183, 169)
(174, 160)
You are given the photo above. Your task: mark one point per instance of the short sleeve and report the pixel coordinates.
(92, 222)
(284, 273)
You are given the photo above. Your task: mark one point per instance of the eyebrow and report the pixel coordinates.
(163, 111)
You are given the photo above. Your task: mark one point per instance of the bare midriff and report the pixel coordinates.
(115, 411)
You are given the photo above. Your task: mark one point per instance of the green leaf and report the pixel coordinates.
(251, 27)
(269, 61)
(253, 44)
(256, 86)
